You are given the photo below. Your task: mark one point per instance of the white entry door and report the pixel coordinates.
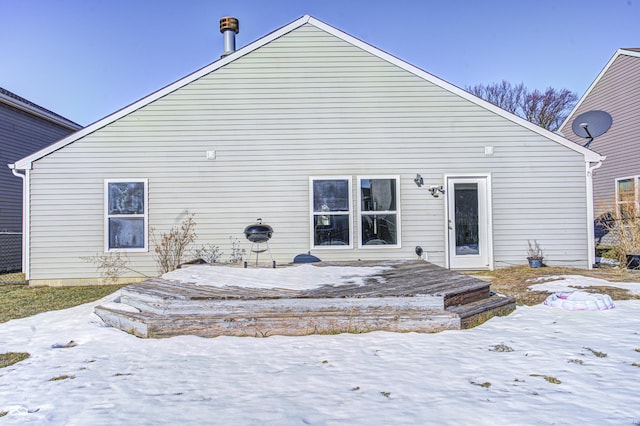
(468, 222)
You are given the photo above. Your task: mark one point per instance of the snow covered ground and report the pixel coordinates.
(539, 365)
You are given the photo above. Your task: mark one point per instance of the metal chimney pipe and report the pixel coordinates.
(229, 27)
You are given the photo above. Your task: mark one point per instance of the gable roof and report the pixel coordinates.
(25, 163)
(23, 104)
(631, 51)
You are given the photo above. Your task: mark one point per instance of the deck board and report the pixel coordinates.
(406, 296)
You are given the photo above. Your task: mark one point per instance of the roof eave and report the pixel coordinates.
(588, 154)
(615, 56)
(39, 112)
(26, 162)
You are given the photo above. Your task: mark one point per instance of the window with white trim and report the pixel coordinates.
(331, 212)
(126, 214)
(378, 211)
(627, 196)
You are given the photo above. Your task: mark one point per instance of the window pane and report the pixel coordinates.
(378, 194)
(466, 218)
(626, 190)
(331, 195)
(379, 229)
(331, 230)
(126, 233)
(126, 198)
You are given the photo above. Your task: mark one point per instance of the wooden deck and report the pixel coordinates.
(409, 296)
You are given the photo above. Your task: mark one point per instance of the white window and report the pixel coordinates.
(331, 212)
(627, 196)
(126, 214)
(379, 211)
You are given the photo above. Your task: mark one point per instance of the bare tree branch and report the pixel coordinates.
(546, 109)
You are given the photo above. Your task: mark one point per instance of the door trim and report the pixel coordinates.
(488, 220)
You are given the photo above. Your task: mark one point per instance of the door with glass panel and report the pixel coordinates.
(468, 223)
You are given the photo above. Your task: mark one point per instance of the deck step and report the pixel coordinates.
(262, 323)
(477, 312)
(405, 297)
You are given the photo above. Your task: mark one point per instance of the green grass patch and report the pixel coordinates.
(597, 353)
(10, 358)
(549, 379)
(3, 413)
(20, 301)
(515, 281)
(63, 377)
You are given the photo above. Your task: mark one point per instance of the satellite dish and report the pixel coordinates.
(591, 124)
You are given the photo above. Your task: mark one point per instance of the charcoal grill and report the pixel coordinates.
(259, 234)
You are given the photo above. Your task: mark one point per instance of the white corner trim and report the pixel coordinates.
(591, 240)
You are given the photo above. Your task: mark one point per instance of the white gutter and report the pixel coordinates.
(591, 242)
(26, 207)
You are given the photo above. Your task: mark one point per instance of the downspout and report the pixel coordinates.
(26, 207)
(590, 167)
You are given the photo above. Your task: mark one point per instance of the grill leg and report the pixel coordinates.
(258, 250)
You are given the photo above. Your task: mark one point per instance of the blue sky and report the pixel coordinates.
(85, 59)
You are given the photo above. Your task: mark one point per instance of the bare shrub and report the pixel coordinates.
(209, 253)
(170, 247)
(624, 228)
(111, 265)
(237, 253)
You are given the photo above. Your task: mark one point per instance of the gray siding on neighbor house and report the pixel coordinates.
(618, 93)
(306, 104)
(21, 134)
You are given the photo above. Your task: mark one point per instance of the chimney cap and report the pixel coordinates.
(229, 23)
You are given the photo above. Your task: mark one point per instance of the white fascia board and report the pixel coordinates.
(615, 56)
(25, 163)
(589, 155)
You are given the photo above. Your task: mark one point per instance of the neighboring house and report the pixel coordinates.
(616, 90)
(24, 128)
(345, 150)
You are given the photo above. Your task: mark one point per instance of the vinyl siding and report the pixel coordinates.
(306, 104)
(20, 135)
(618, 93)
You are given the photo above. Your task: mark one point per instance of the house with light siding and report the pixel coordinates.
(25, 127)
(616, 91)
(346, 151)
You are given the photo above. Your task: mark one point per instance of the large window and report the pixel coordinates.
(331, 212)
(627, 196)
(126, 215)
(378, 211)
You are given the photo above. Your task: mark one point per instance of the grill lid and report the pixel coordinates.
(258, 232)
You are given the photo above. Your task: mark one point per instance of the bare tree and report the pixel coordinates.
(503, 94)
(546, 109)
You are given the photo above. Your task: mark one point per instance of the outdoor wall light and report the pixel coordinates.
(418, 180)
(436, 190)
